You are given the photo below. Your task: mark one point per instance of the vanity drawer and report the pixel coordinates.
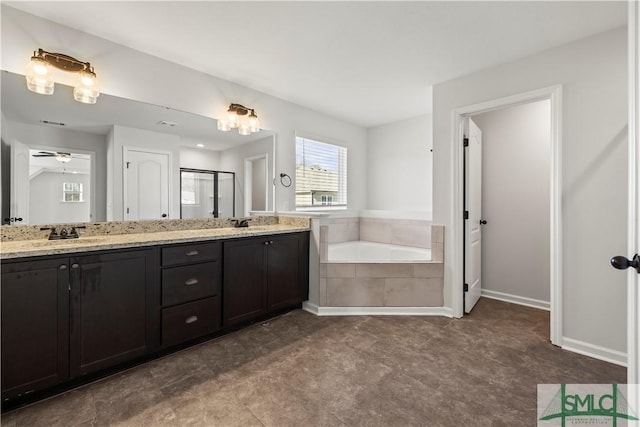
(190, 282)
(191, 320)
(186, 254)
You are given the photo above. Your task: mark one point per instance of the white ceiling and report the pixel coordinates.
(368, 63)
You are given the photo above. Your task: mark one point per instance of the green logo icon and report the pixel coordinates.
(588, 404)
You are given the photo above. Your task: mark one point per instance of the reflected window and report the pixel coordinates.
(189, 188)
(72, 192)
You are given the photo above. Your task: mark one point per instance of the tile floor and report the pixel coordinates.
(302, 370)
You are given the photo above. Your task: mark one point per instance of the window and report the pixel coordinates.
(72, 192)
(321, 174)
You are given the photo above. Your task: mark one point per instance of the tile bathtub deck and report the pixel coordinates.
(302, 370)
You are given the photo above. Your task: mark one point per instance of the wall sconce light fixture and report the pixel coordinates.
(240, 117)
(40, 75)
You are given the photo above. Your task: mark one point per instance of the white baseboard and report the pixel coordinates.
(376, 311)
(529, 302)
(595, 351)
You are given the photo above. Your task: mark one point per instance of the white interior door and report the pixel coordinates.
(633, 276)
(473, 212)
(19, 183)
(146, 185)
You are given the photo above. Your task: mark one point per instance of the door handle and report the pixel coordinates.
(164, 215)
(483, 222)
(622, 263)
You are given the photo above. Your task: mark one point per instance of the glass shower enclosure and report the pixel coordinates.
(207, 194)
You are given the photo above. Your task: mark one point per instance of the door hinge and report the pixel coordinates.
(465, 142)
(465, 215)
(465, 287)
(127, 210)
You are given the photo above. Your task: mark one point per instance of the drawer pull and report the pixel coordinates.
(191, 319)
(192, 253)
(191, 282)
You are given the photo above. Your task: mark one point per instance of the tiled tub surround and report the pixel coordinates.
(381, 286)
(29, 240)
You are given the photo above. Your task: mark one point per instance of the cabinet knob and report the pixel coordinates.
(191, 282)
(75, 265)
(192, 253)
(63, 267)
(266, 243)
(191, 319)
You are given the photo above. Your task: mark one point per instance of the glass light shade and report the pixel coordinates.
(223, 126)
(232, 118)
(86, 90)
(63, 158)
(243, 129)
(39, 76)
(254, 123)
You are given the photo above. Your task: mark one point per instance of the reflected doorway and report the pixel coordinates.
(256, 183)
(50, 186)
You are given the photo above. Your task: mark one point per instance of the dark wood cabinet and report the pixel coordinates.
(111, 303)
(244, 278)
(263, 274)
(287, 270)
(191, 276)
(35, 328)
(68, 319)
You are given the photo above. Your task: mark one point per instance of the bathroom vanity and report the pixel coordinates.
(75, 311)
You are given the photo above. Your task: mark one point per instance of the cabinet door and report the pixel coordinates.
(110, 298)
(244, 290)
(35, 328)
(283, 271)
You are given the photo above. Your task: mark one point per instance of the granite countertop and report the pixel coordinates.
(40, 247)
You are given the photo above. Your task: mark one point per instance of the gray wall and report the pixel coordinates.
(45, 199)
(593, 72)
(399, 166)
(515, 200)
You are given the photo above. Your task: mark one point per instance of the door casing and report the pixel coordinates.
(554, 94)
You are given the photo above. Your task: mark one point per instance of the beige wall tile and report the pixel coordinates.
(324, 252)
(413, 293)
(426, 270)
(353, 231)
(375, 232)
(384, 270)
(323, 293)
(324, 234)
(407, 234)
(437, 233)
(341, 270)
(437, 252)
(355, 292)
(344, 232)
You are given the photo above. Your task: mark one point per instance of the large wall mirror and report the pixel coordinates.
(67, 162)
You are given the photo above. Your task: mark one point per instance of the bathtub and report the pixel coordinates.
(370, 252)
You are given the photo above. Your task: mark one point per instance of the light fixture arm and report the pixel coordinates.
(240, 109)
(62, 61)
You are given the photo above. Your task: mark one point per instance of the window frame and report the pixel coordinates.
(342, 161)
(66, 192)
